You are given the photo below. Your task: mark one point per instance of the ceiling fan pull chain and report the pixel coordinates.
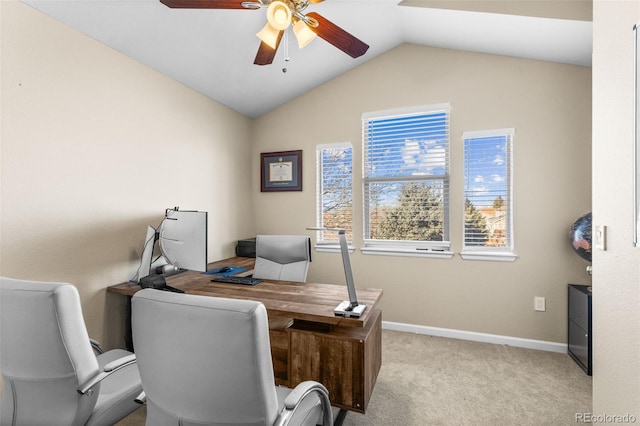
(286, 50)
(286, 46)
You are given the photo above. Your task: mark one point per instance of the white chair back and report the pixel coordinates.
(203, 360)
(282, 257)
(46, 356)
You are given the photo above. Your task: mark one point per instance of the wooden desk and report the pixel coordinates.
(344, 354)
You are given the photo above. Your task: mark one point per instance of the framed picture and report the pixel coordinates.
(281, 171)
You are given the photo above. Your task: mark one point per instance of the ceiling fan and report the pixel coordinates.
(281, 14)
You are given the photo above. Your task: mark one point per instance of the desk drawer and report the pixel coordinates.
(579, 344)
(580, 327)
(578, 307)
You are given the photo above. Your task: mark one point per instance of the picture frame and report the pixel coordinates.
(281, 171)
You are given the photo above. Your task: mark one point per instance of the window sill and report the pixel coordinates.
(409, 252)
(331, 248)
(489, 256)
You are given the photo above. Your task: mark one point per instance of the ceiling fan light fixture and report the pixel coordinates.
(269, 35)
(303, 33)
(279, 15)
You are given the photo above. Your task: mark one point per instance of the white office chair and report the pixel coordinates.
(51, 375)
(282, 257)
(206, 361)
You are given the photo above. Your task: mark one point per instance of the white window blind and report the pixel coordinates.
(334, 164)
(488, 199)
(406, 181)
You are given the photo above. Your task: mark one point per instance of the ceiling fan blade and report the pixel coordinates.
(204, 4)
(335, 35)
(265, 53)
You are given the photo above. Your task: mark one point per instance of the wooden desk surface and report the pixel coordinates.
(301, 301)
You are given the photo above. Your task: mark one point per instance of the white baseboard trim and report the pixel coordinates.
(476, 337)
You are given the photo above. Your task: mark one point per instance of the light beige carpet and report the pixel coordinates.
(428, 380)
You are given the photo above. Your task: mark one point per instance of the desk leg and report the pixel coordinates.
(280, 355)
(128, 334)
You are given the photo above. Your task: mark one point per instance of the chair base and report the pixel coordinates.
(338, 415)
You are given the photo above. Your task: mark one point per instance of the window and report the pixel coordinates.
(334, 192)
(406, 182)
(488, 200)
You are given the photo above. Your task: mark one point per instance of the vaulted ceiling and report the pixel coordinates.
(212, 50)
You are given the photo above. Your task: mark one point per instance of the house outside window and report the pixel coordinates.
(334, 167)
(406, 181)
(488, 195)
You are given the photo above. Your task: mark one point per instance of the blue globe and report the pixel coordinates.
(580, 236)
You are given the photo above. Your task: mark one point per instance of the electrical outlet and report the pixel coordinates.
(539, 304)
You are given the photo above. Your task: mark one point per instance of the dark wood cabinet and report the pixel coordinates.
(580, 330)
(346, 360)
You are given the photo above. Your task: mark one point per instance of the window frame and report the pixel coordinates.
(322, 244)
(431, 249)
(503, 254)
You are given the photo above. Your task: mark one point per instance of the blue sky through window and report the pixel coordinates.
(486, 168)
(408, 146)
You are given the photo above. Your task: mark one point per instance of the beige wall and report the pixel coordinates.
(616, 278)
(550, 107)
(94, 147)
